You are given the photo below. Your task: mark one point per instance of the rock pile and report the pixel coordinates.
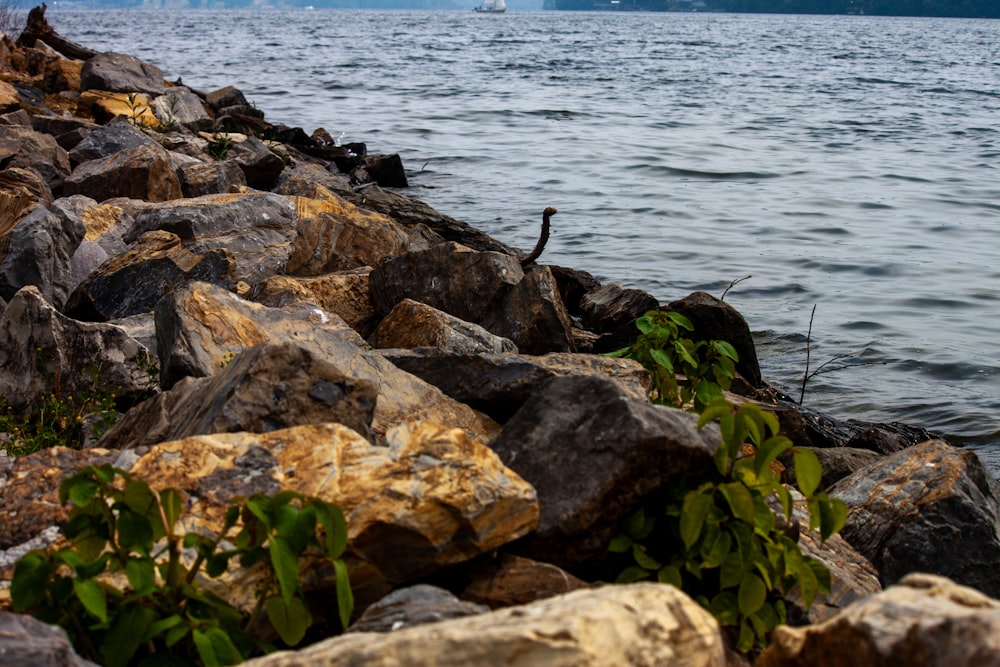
(269, 315)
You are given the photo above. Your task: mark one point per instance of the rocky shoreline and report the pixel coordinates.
(271, 312)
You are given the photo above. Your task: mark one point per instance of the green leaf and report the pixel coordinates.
(681, 348)
(125, 635)
(290, 620)
(632, 573)
(345, 596)
(746, 638)
(834, 518)
(286, 567)
(31, 577)
(707, 392)
(725, 349)
(715, 548)
(173, 505)
(141, 574)
(82, 491)
(768, 451)
(725, 608)
(91, 595)
(731, 571)
(643, 559)
(808, 584)
(669, 574)
(680, 320)
(334, 525)
(808, 471)
(693, 514)
(713, 411)
(662, 358)
(752, 594)
(740, 500)
(163, 625)
(645, 323)
(620, 543)
(134, 531)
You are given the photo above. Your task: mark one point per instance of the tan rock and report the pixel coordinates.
(640, 624)
(924, 621)
(512, 580)
(105, 106)
(413, 324)
(62, 74)
(9, 99)
(142, 172)
(344, 294)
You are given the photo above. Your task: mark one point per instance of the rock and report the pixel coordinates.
(107, 140)
(42, 351)
(334, 235)
(611, 306)
(258, 228)
(68, 132)
(837, 462)
(37, 251)
(413, 324)
(640, 624)
(925, 621)
(179, 106)
(512, 580)
(225, 97)
(260, 165)
(412, 606)
(201, 325)
(142, 328)
(312, 181)
(593, 453)
(386, 170)
(132, 282)
(20, 191)
(499, 384)
(105, 226)
(573, 285)
(105, 107)
(344, 294)
(27, 642)
(16, 117)
(207, 178)
(9, 99)
(143, 172)
(266, 388)
(61, 75)
(930, 508)
(121, 73)
(532, 315)
(23, 147)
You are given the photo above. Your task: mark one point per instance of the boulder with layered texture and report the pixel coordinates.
(412, 324)
(143, 172)
(23, 147)
(37, 250)
(121, 73)
(344, 293)
(106, 140)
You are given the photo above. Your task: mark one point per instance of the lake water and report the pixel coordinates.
(848, 163)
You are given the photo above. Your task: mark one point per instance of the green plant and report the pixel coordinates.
(136, 109)
(169, 121)
(128, 590)
(683, 372)
(219, 146)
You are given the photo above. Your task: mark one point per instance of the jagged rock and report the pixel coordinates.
(68, 132)
(307, 180)
(20, 190)
(27, 642)
(141, 327)
(23, 147)
(499, 384)
(184, 142)
(837, 462)
(925, 621)
(257, 227)
(43, 351)
(62, 74)
(412, 606)
(226, 97)
(413, 324)
(37, 251)
(638, 624)
(611, 306)
(714, 319)
(105, 107)
(133, 281)
(260, 165)
(16, 117)
(344, 294)
(207, 178)
(593, 452)
(334, 235)
(199, 325)
(930, 508)
(512, 580)
(179, 106)
(9, 99)
(105, 225)
(266, 388)
(143, 172)
(386, 170)
(573, 284)
(120, 73)
(107, 140)
(532, 315)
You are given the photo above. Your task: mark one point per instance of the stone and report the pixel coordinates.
(225, 97)
(611, 307)
(107, 140)
(593, 453)
(412, 324)
(62, 74)
(266, 388)
(43, 351)
(37, 251)
(386, 170)
(68, 132)
(23, 147)
(105, 107)
(573, 285)
(642, 624)
(313, 181)
(931, 508)
(105, 225)
(924, 621)
(207, 178)
(9, 99)
(512, 580)
(200, 325)
(532, 315)
(412, 606)
(133, 281)
(499, 384)
(837, 462)
(260, 165)
(258, 228)
(27, 642)
(179, 106)
(20, 191)
(143, 172)
(121, 73)
(334, 235)
(344, 293)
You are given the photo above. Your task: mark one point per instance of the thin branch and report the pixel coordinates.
(732, 285)
(542, 239)
(806, 376)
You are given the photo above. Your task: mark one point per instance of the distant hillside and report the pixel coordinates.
(942, 8)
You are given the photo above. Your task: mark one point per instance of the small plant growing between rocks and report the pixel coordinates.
(137, 107)
(728, 539)
(128, 589)
(219, 146)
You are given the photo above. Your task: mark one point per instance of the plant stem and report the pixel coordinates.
(805, 376)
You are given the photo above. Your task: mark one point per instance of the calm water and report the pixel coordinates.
(844, 162)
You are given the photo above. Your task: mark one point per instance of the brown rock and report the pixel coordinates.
(9, 99)
(207, 178)
(413, 324)
(23, 147)
(532, 315)
(344, 294)
(62, 74)
(411, 606)
(512, 580)
(143, 172)
(612, 306)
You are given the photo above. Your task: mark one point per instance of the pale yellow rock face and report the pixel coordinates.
(9, 99)
(641, 625)
(100, 219)
(107, 105)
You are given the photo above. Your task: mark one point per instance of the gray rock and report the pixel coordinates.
(68, 132)
(107, 140)
(27, 642)
(143, 172)
(179, 106)
(38, 251)
(225, 97)
(22, 147)
(207, 178)
(532, 315)
(612, 306)
(412, 606)
(120, 73)
(260, 165)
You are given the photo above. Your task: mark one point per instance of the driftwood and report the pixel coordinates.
(542, 239)
(38, 29)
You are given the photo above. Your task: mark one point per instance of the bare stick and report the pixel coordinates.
(732, 285)
(806, 376)
(542, 239)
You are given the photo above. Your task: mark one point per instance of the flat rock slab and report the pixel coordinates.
(121, 73)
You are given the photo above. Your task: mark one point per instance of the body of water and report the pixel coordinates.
(844, 162)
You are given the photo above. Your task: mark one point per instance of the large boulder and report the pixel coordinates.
(260, 165)
(27, 642)
(68, 132)
(105, 225)
(499, 384)
(641, 624)
(594, 453)
(104, 107)
(924, 621)
(179, 106)
(200, 326)
(411, 606)
(931, 508)
(23, 147)
(143, 172)
(532, 315)
(208, 178)
(611, 306)
(121, 73)
(344, 293)
(37, 250)
(20, 190)
(106, 140)
(412, 324)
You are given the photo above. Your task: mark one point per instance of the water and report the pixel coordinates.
(847, 163)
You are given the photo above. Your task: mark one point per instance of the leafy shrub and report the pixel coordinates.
(125, 595)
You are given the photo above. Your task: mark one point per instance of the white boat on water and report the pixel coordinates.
(492, 7)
